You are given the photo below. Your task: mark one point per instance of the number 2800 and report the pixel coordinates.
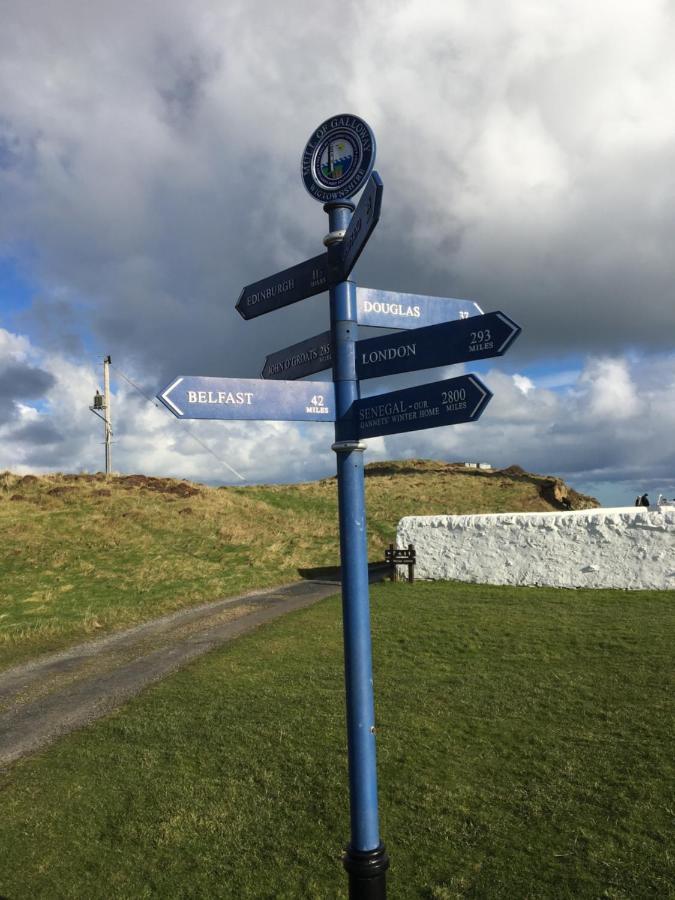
(453, 396)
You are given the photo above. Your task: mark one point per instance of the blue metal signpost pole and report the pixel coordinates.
(365, 858)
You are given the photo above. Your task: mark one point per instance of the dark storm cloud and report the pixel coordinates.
(7, 410)
(37, 433)
(181, 81)
(10, 148)
(23, 382)
(20, 382)
(56, 324)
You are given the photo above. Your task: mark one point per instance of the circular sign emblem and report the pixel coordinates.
(338, 158)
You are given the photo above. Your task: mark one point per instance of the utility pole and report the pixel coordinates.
(102, 403)
(106, 413)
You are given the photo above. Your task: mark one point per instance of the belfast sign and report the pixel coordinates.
(198, 397)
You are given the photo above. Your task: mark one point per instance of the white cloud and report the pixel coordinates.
(608, 391)
(615, 424)
(13, 347)
(523, 383)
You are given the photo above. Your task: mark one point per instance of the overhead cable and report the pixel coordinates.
(188, 430)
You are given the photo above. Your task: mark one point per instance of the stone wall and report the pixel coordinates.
(631, 547)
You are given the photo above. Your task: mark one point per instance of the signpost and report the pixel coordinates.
(390, 309)
(446, 402)
(337, 163)
(304, 358)
(400, 311)
(479, 337)
(297, 283)
(194, 397)
(342, 255)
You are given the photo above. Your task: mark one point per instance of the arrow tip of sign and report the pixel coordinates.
(487, 393)
(509, 321)
(164, 397)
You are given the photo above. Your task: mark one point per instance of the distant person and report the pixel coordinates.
(644, 500)
(637, 501)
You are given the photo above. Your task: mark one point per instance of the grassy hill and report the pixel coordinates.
(86, 554)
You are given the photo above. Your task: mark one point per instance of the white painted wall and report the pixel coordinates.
(627, 547)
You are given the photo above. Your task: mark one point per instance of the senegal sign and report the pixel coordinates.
(446, 402)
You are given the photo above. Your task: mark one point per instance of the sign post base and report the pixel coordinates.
(367, 873)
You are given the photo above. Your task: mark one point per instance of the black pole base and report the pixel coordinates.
(367, 873)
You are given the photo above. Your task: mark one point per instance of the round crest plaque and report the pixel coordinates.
(338, 158)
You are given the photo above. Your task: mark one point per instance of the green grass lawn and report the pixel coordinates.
(523, 743)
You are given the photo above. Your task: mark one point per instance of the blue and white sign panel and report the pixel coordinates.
(304, 358)
(338, 158)
(196, 397)
(448, 402)
(391, 309)
(297, 283)
(479, 337)
(342, 256)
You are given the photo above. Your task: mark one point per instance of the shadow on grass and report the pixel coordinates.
(377, 571)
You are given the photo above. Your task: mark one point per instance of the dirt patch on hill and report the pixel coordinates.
(180, 489)
(551, 489)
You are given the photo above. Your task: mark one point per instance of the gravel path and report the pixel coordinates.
(55, 694)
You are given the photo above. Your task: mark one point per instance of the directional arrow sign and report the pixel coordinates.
(297, 283)
(304, 358)
(479, 337)
(343, 255)
(194, 397)
(390, 309)
(446, 402)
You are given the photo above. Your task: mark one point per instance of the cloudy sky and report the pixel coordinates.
(149, 168)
